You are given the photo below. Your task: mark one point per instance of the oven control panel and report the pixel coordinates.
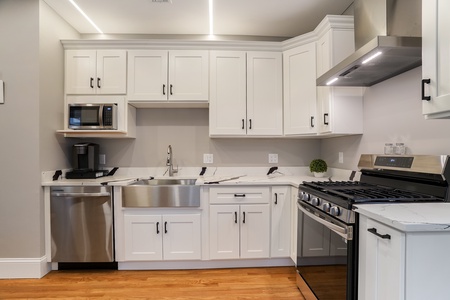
(394, 161)
(341, 213)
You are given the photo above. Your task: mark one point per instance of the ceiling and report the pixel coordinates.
(267, 18)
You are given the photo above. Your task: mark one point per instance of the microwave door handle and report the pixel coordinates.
(100, 115)
(337, 229)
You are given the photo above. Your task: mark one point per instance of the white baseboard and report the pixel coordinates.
(24, 267)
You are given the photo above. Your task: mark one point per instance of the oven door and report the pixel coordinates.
(326, 255)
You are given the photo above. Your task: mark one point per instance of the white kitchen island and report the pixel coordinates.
(403, 251)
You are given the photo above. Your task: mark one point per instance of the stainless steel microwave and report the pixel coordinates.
(93, 116)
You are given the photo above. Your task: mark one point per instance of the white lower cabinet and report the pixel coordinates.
(162, 237)
(280, 245)
(239, 225)
(381, 261)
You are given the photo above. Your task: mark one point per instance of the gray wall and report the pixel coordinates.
(392, 113)
(25, 119)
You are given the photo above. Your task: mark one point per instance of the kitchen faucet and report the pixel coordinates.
(169, 162)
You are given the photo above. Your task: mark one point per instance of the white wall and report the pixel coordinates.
(187, 131)
(26, 120)
(392, 113)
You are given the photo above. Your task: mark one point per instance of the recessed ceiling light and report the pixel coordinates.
(162, 1)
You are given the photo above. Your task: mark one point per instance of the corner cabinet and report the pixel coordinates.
(300, 90)
(435, 59)
(95, 72)
(246, 94)
(149, 236)
(339, 109)
(239, 222)
(160, 75)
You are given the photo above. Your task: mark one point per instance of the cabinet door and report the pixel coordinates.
(188, 75)
(111, 72)
(381, 262)
(315, 238)
(147, 75)
(281, 222)
(181, 237)
(80, 68)
(224, 231)
(255, 231)
(143, 237)
(264, 94)
(300, 90)
(436, 58)
(227, 106)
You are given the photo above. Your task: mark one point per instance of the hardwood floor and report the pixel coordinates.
(230, 284)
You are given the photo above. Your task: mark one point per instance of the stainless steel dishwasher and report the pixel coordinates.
(82, 224)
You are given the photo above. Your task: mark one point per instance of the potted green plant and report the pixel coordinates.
(318, 167)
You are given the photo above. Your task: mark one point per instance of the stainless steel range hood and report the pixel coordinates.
(389, 32)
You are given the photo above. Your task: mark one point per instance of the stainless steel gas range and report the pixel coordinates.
(326, 215)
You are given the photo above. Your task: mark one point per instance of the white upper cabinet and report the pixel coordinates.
(160, 75)
(95, 72)
(339, 109)
(300, 90)
(435, 59)
(246, 94)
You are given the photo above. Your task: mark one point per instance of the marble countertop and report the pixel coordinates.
(409, 217)
(225, 176)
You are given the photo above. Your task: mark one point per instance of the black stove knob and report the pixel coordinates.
(335, 211)
(326, 207)
(315, 201)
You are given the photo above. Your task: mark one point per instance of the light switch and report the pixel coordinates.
(2, 92)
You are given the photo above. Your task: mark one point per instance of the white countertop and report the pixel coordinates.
(409, 217)
(251, 175)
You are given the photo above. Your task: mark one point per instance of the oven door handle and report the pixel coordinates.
(342, 231)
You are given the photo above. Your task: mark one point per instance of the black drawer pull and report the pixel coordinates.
(243, 123)
(98, 83)
(243, 220)
(276, 198)
(383, 236)
(312, 122)
(171, 86)
(425, 81)
(165, 227)
(250, 124)
(239, 195)
(325, 119)
(164, 89)
(157, 227)
(235, 217)
(91, 84)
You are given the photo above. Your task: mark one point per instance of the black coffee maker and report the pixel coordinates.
(85, 162)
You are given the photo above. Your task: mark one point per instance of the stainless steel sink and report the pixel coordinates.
(161, 193)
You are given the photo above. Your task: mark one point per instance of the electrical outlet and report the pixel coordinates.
(341, 157)
(102, 159)
(273, 158)
(208, 158)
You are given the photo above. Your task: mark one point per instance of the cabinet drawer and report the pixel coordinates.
(244, 194)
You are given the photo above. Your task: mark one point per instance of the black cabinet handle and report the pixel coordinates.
(383, 236)
(276, 198)
(235, 217)
(164, 89)
(325, 119)
(165, 227)
(157, 227)
(250, 124)
(98, 83)
(91, 84)
(425, 81)
(171, 86)
(243, 219)
(312, 122)
(243, 123)
(239, 195)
